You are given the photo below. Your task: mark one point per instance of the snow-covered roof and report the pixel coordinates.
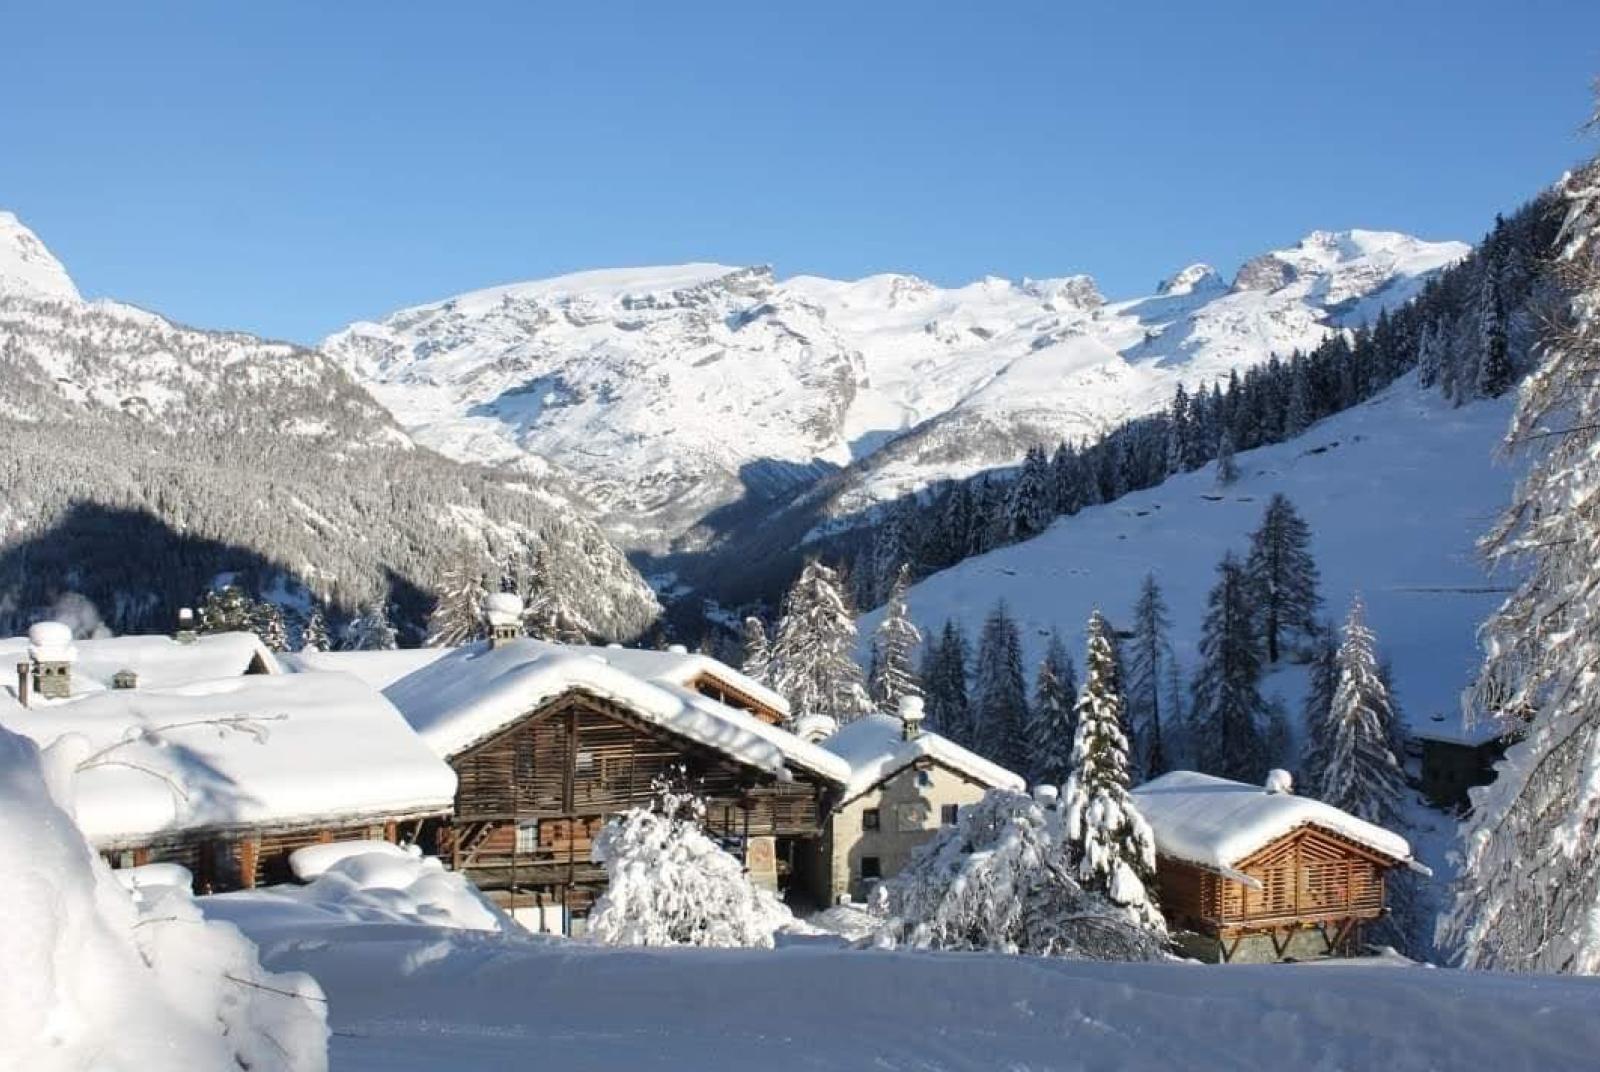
(1216, 823)
(470, 693)
(160, 661)
(1456, 730)
(875, 749)
(380, 669)
(257, 750)
(680, 667)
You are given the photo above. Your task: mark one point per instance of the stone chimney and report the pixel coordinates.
(186, 632)
(125, 679)
(24, 683)
(910, 717)
(503, 611)
(52, 652)
(1280, 782)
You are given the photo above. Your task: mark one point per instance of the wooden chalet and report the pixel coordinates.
(549, 741)
(1255, 874)
(204, 755)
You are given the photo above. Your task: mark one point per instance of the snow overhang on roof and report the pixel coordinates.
(239, 752)
(469, 694)
(1216, 823)
(875, 748)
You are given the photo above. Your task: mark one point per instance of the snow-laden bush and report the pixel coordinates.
(670, 884)
(95, 980)
(1003, 879)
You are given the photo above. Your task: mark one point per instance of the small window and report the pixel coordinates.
(871, 869)
(948, 814)
(527, 837)
(870, 819)
(584, 764)
(924, 778)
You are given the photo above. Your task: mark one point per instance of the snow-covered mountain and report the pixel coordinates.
(669, 393)
(218, 450)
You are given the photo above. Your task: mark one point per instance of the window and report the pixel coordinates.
(924, 778)
(871, 869)
(527, 837)
(870, 819)
(584, 764)
(948, 814)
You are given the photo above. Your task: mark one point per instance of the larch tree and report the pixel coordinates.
(1053, 720)
(757, 652)
(1227, 714)
(1114, 847)
(1528, 897)
(894, 644)
(812, 663)
(1284, 575)
(1148, 651)
(1000, 699)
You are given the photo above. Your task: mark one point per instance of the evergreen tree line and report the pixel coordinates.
(1469, 334)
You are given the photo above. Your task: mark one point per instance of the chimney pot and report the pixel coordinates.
(1280, 781)
(911, 717)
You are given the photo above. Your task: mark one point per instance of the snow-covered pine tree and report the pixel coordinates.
(1530, 877)
(228, 609)
(1301, 412)
(1360, 773)
(1431, 346)
(1175, 744)
(1227, 715)
(370, 631)
(457, 616)
(1495, 373)
(1053, 720)
(757, 652)
(1148, 650)
(314, 635)
(1030, 506)
(1000, 695)
(1112, 845)
(266, 622)
(813, 665)
(1284, 575)
(944, 679)
(893, 645)
(1227, 467)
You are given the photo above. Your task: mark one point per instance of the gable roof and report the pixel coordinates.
(380, 669)
(874, 747)
(470, 693)
(1217, 823)
(246, 751)
(160, 661)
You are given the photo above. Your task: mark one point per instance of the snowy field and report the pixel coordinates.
(407, 998)
(1396, 492)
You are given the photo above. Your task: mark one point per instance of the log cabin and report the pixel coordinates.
(206, 756)
(906, 783)
(1255, 874)
(548, 741)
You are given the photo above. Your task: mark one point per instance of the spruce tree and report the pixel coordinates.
(314, 636)
(757, 652)
(266, 622)
(893, 644)
(1227, 467)
(1029, 508)
(1317, 713)
(1494, 357)
(944, 677)
(1052, 720)
(1360, 773)
(1530, 876)
(1149, 649)
(1284, 575)
(1227, 715)
(812, 663)
(228, 609)
(458, 616)
(1113, 846)
(1000, 699)
(370, 630)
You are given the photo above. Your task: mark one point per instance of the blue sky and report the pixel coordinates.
(286, 168)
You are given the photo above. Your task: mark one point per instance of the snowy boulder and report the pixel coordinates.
(310, 862)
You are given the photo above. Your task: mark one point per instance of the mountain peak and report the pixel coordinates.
(1193, 278)
(27, 266)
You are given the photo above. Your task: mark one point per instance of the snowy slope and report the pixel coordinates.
(415, 999)
(669, 392)
(27, 267)
(1396, 493)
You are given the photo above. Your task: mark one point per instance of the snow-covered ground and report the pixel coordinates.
(408, 999)
(1396, 492)
(670, 391)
